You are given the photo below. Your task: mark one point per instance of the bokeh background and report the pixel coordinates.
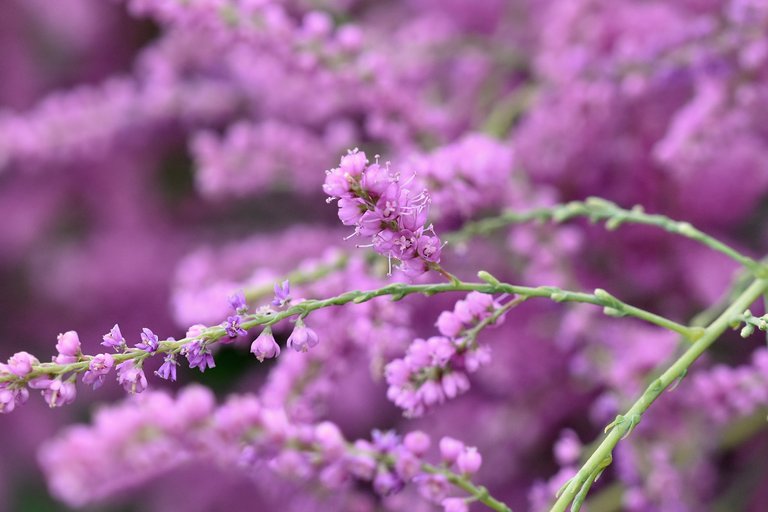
(156, 155)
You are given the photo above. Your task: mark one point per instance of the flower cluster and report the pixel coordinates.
(24, 370)
(436, 369)
(378, 203)
(85, 463)
(492, 105)
(466, 177)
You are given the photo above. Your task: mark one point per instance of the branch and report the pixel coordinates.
(210, 335)
(623, 425)
(596, 210)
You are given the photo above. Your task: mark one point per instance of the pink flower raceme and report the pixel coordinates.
(380, 205)
(244, 433)
(436, 369)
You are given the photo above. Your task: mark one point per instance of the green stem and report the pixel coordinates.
(478, 492)
(472, 334)
(397, 291)
(623, 425)
(508, 110)
(300, 277)
(597, 209)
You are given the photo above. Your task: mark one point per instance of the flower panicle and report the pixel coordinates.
(383, 207)
(437, 369)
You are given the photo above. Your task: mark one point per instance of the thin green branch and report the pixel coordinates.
(623, 425)
(300, 277)
(478, 492)
(596, 210)
(611, 306)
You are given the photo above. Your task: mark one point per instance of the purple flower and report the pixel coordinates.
(480, 305)
(196, 331)
(387, 483)
(237, 303)
(336, 183)
(414, 267)
(417, 442)
(362, 464)
(329, 439)
(131, 377)
(7, 400)
(68, 344)
(233, 328)
(434, 488)
(385, 441)
(98, 369)
(469, 461)
(199, 355)
(449, 324)
(454, 384)
(353, 163)
(351, 210)
(302, 338)
(450, 449)
(407, 465)
(10, 398)
(59, 393)
(378, 203)
(149, 341)
(20, 363)
(455, 505)
(428, 247)
(167, 370)
(114, 339)
(282, 294)
(265, 346)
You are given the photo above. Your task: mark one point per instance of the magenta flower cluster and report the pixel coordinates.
(157, 152)
(382, 207)
(437, 369)
(85, 463)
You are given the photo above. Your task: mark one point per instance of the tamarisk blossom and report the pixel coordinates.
(167, 370)
(20, 363)
(302, 338)
(68, 347)
(56, 392)
(265, 346)
(243, 433)
(114, 339)
(282, 294)
(437, 368)
(237, 303)
(149, 341)
(199, 355)
(232, 324)
(197, 351)
(131, 376)
(98, 369)
(380, 205)
(10, 395)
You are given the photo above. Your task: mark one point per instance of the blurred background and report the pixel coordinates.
(156, 155)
